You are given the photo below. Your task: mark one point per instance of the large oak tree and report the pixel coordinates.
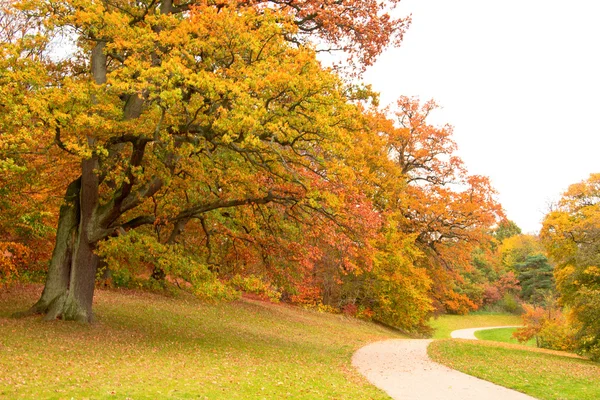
(171, 109)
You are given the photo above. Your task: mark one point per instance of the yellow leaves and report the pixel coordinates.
(575, 221)
(170, 97)
(515, 249)
(571, 234)
(593, 271)
(226, 138)
(217, 105)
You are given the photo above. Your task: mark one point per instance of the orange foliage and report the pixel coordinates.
(13, 258)
(362, 28)
(549, 327)
(202, 128)
(448, 211)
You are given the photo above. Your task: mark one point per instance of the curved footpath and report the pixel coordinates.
(470, 333)
(403, 370)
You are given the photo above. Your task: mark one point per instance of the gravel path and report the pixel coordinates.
(470, 333)
(403, 370)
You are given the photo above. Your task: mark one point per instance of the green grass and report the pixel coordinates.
(540, 373)
(146, 346)
(444, 324)
(502, 335)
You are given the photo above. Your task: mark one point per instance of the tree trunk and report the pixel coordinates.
(70, 283)
(59, 271)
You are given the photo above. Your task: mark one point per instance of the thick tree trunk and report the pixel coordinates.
(78, 302)
(59, 271)
(70, 283)
(71, 279)
(78, 305)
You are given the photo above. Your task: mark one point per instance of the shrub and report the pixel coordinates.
(533, 319)
(549, 327)
(253, 284)
(135, 255)
(510, 303)
(350, 309)
(557, 334)
(491, 294)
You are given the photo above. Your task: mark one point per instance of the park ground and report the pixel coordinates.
(145, 346)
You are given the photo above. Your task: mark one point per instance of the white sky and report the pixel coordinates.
(520, 82)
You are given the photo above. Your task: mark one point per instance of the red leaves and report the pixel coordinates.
(448, 211)
(443, 205)
(362, 28)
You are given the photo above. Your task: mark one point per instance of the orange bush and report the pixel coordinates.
(549, 327)
(13, 257)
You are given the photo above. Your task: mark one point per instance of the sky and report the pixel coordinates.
(520, 82)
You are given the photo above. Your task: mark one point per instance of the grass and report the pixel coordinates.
(540, 373)
(444, 324)
(147, 346)
(502, 335)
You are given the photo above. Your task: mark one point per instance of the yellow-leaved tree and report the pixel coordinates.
(571, 234)
(169, 110)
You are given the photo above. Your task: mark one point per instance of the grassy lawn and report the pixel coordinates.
(147, 346)
(444, 324)
(540, 373)
(502, 335)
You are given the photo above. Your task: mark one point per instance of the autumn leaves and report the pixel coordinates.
(571, 234)
(206, 144)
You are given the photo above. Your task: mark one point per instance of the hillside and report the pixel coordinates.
(146, 346)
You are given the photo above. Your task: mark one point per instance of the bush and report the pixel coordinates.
(557, 334)
(123, 278)
(510, 303)
(253, 284)
(589, 345)
(586, 317)
(549, 327)
(491, 294)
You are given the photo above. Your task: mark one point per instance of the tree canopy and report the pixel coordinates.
(203, 143)
(571, 233)
(536, 278)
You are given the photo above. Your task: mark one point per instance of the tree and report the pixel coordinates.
(506, 229)
(398, 286)
(515, 249)
(536, 279)
(448, 211)
(571, 234)
(175, 109)
(203, 140)
(534, 319)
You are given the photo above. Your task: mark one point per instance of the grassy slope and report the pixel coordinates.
(444, 324)
(502, 335)
(146, 346)
(543, 374)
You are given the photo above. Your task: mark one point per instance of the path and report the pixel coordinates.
(403, 370)
(470, 333)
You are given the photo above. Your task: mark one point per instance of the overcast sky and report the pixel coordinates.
(520, 82)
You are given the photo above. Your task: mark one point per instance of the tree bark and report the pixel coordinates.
(59, 271)
(82, 280)
(70, 283)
